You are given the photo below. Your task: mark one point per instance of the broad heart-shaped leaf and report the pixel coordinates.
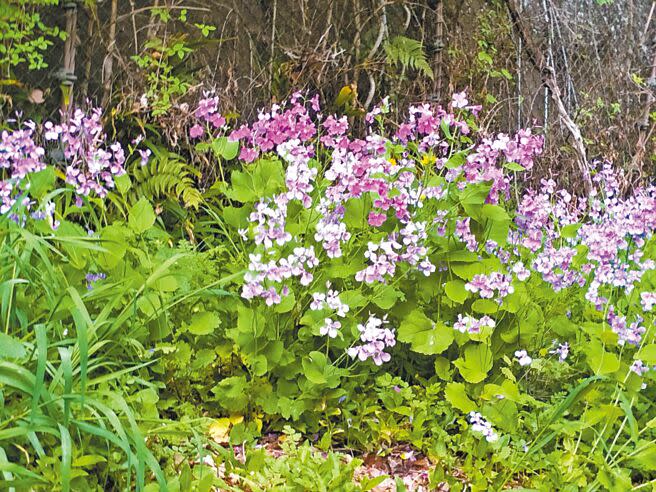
(385, 296)
(494, 212)
(456, 395)
(42, 182)
(425, 336)
(236, 217)
(485, 306)
(647, 353)
(225, 148)
(232, 393)
(455, 290)
(475, 362)
(318, 370)
(204, 323)
(250, 321)
(114, 240)
(600, 361)
(10, 348)
(141, 216)
(314, 366)
(257, 181)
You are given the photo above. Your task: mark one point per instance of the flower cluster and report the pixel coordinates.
(479, 424)
(523, 358)
(376, 338)
(469, 324)
(298, 264)
(386, 192)
(207, 113)
(92, 162)
(562, 351)
(626, 332)
(329, 300)
(19, 156)
(485, 285)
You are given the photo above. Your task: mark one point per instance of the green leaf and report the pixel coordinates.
(600, 361)
(647, 354)
(485, 306)
(259, 180)
(456, 395)
(114, 239)
(513, 166)
(225, 148)
(455, 290)
(494, 212)
(475, 363)
(123, 183)
(569, 231)
(236, 217)
(314, 367)
(425, 336)
(385, 296)
(232, 393)
(204, 323)
(456, 160)
(141, 216)
(10, 348)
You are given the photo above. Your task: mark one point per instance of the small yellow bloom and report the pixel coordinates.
(393, 162)
(428, 159)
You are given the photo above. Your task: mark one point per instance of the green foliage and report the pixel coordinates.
(24, 37)
(408, 53)
(165, 176)
(162, 63)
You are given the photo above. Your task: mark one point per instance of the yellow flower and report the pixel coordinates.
(428, 159)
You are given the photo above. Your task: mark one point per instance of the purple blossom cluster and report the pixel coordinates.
(329, 300)
(92, 162)
(19, 156)
(263, 279)
(376, 338)
(486, 285)
(562, 351)
(92, 278)
(469, 324)
(364, 169)
(282, 123)
(626, 332)
(208, 115)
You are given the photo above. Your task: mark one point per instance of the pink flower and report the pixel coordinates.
(248, 155)
(377, 219)
(196, 131)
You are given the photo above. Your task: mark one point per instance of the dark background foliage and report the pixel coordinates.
(598, 57)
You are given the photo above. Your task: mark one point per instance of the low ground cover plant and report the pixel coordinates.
(362, 283)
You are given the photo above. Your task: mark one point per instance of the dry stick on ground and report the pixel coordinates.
(548, 75)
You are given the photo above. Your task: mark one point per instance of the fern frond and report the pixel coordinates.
(408, 53)
(167, 175)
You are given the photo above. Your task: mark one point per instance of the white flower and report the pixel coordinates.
(523, 358)
(330, 328)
